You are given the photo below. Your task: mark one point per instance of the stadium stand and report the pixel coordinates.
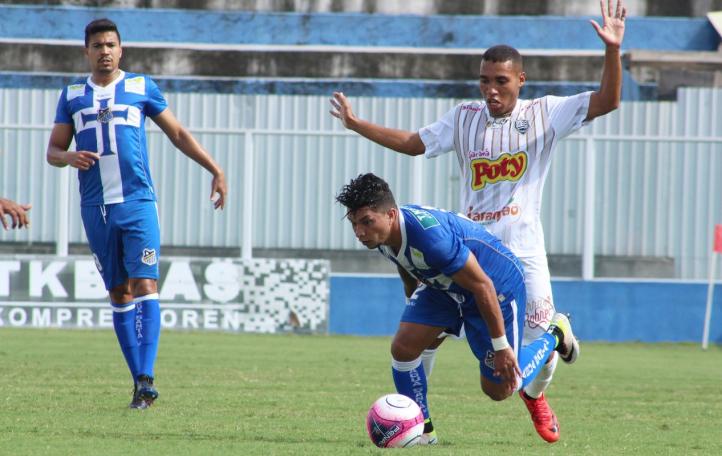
(310, 51)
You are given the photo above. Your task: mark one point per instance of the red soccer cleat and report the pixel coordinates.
(545, 422)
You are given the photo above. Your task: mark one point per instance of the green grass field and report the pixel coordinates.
(66, 392)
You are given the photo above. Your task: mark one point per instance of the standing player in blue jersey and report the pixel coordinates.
(455, 273)
(106, 113)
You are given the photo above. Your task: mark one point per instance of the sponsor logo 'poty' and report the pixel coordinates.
(507, 167)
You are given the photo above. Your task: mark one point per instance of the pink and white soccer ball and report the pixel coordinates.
(395, 421)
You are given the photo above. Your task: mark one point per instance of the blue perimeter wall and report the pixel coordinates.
(344, 29)
(614, 311)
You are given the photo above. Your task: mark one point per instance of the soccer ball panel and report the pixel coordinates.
(395, 421)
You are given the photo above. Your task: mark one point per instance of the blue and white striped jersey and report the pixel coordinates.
(436, 244)
(110, 120)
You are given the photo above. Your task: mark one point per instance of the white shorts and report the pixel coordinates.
(539, 300)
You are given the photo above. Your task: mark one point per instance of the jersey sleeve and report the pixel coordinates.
(156, 101)
(567, 114)
(62, 113)
(441, 249)
(438, 138)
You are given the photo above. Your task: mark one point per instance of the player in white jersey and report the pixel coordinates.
(18, 213)
(504, 147)
(105, 115)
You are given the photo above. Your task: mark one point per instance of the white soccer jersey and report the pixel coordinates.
(504, 161)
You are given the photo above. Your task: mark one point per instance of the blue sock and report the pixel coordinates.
(410, 380)
(124, 325)
(533, 357)
(147, 325)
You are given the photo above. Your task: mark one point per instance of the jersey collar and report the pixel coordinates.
(513, 112)
(401, 258)
(110, 86)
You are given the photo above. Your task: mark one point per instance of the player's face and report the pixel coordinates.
(500, 83)
(372, 227)
(103, 52)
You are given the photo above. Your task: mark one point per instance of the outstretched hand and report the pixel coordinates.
(18, 213)
(612, 29)
(342, 109)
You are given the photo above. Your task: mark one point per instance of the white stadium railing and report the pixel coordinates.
(643, 181)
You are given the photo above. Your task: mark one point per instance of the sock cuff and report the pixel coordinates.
(429, 352)
(147, 297)
(406, 366)
(120, 308)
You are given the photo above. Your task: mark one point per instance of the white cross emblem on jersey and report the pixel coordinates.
(104, 116)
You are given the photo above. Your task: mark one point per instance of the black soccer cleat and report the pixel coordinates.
(146, 390)
(137, 403)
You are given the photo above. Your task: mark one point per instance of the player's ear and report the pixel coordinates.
(522, 78)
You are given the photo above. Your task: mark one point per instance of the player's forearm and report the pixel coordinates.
(410, 283)
(610, 89)
(488, 305)
(56, 156)
(187, 144)
(402, 141)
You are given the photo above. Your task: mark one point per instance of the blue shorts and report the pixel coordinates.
(433, 307)
(124, 239)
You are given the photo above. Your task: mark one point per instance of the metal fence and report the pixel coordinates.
(640, 182)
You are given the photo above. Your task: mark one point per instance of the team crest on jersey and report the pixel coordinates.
(105, 115)
(425, 219)
(489, 359)
(521, 125)
(149, 257)
(508, 167)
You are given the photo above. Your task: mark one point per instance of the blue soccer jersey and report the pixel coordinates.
(436, 244)
(110, 120)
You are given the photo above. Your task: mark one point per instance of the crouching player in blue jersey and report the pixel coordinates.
(106, 113)
(455, 273)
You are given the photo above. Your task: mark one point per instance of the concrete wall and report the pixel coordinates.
(615, 311)
(557, 7)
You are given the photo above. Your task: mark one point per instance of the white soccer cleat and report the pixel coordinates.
(568, 346)
(428, 438)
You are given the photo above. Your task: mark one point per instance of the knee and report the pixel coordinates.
(121, 294)
(496, 391)
(403, 351)
(143, 287)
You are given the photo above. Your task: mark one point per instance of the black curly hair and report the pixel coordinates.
(366, 190)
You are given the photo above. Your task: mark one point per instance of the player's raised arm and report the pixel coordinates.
(405, 142)
(184, 140)
(473, 278)
(611, 32)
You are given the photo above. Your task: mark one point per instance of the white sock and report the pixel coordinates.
(428, 357)
(543, 379)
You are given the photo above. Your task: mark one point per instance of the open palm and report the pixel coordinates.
(612, 29)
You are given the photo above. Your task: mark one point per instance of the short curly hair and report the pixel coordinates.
(366, 190)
